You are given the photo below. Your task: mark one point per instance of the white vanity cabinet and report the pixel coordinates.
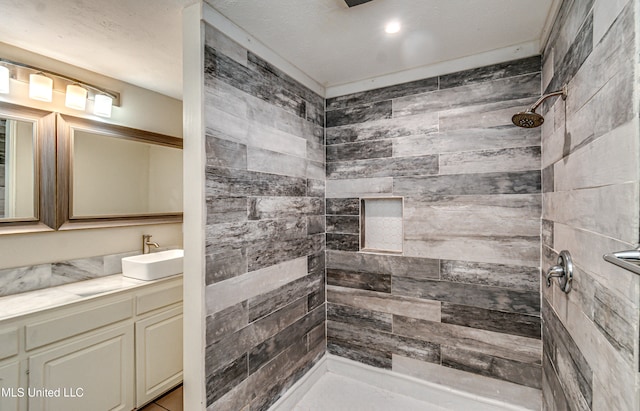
(116, 351)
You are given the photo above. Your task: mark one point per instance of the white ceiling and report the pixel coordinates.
(140, 41)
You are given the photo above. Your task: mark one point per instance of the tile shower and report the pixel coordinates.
(283, 188)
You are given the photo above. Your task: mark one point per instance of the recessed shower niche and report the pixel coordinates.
(381, 228)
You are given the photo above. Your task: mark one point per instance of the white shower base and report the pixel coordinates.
(338, 384)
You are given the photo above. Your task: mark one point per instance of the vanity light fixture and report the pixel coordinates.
(76, 97)
(392, 27)
(4, 80)
(40, 87)
(42, 83)
(102, 105)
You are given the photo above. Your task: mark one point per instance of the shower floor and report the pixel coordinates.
(334, 392)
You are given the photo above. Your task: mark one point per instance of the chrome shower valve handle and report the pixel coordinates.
(563, 271)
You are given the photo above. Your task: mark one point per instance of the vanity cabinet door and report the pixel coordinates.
(158, 354)
(10, 387)
(91, 373)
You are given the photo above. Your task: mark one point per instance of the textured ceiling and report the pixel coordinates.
(140, 41)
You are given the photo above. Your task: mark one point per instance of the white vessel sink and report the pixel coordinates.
(154, 265)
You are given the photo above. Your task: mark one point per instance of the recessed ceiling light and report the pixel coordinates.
(392, 27)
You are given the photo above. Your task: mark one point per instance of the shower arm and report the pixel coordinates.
(562, 93)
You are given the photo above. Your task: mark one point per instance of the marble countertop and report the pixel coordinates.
(21, 304)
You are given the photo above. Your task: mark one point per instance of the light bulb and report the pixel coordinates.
(40, 87)
(392, 27)
(76, 97)
(4, 79)
(102, 105)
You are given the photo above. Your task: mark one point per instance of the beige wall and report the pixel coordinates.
(142, 109)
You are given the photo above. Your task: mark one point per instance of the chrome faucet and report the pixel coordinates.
(147, 243)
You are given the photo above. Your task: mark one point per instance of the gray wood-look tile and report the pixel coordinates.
(359, 280)
(482, 116)
(510, 347)
(552, 393)
(343, 224)
(547, 233)
(529, 375)
(365, 355)
(522, 182)
(316, 224)
(272, 162)
(384, 302)
(223, 264)
(240, 234)
(383, 167)
(344, 242)
(225, 153)
(501, 160)
(493, 72)
(384, 93)
(284, 207)
(496, 275)
(315, 188)
(270, 348)
(269, 302)
(225, 378)
(384, 264)
(493, 298)
(548, 184)
(343, 206)
(382, 129)
(360, 317)
(388, 343)
(360, 187)
(359, 114)
(561, 348)
(615, 317)
(359, 150)
(492, 215)
(227, 321)
(566, 67)
(492, 320)
(460, 140)
(228, 182)
(226, 209)
(509, 88)
(267, 253)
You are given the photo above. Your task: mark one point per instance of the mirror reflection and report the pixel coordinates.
(114, 177)
(18, 184)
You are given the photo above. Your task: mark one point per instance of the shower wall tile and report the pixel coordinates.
(384, 302)
(522, 182)
(459, 141)
(506, 159)
(359, 114)
(468, 278)
(343, 224)
(382, 129)
(591, 144)
(360, 150)
(489, 73)
(490, 366)
(510, 88)
(265, 227)
(381, 94)
(491, 320)
(343, 206)
(380, 167)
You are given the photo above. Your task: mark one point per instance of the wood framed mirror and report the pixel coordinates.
(27, 169)
(110, 175)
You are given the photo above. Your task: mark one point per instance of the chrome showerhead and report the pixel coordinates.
(527, 119)
(531, 119)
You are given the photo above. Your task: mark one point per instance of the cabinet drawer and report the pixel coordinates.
(65, 326)
(8, 343)
(157, 299)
